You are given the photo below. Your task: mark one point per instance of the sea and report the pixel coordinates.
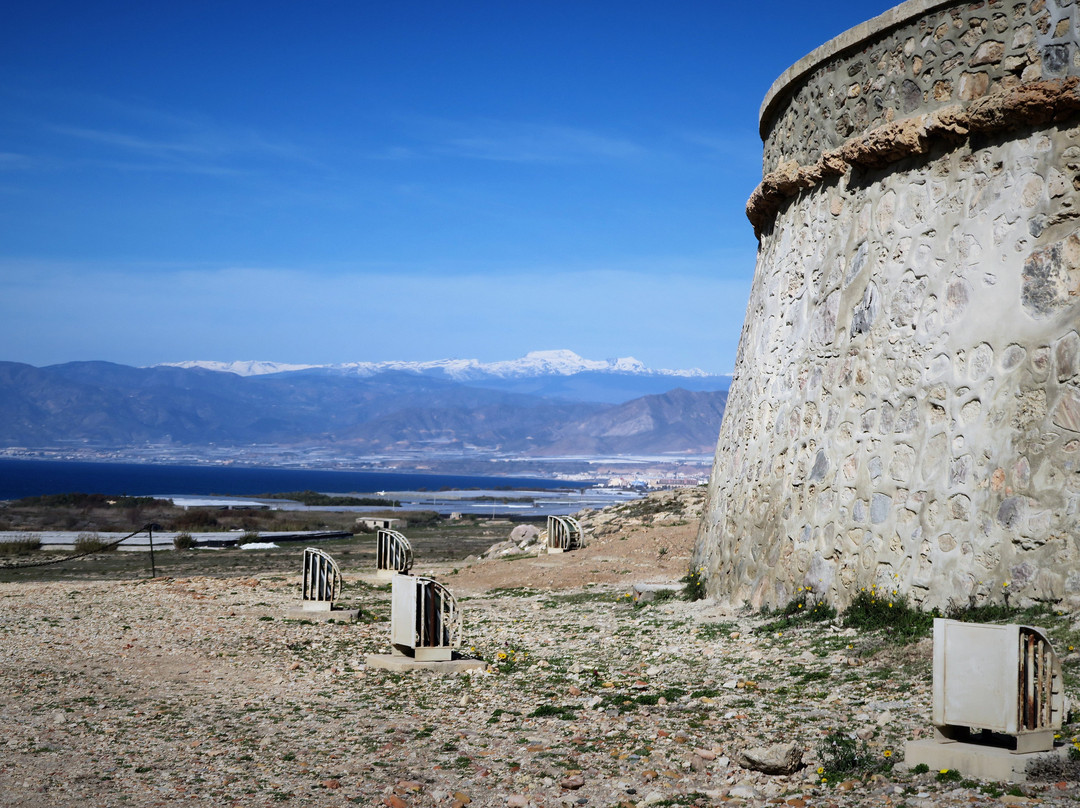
(26, 478)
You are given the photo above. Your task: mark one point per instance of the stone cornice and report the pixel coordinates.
(1030, 104)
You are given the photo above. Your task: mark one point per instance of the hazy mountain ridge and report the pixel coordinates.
(105, 404)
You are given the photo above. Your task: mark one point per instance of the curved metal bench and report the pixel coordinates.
(393, 553)
(321, 581)
(563, 534)
(425, 620)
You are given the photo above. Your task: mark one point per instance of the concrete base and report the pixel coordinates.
(404, 664)
(337, 615)
(974, 760)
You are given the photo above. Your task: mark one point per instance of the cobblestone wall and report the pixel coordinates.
(952, 52)
(906, 402)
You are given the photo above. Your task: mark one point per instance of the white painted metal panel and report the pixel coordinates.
(403, 610)
(975, 675)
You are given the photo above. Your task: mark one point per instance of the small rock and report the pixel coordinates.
(574, 690)
(781, 758)
(572, 782)
(333, 785)
(465, 701)
(744, 791)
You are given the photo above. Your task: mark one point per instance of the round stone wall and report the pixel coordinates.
(906, 403)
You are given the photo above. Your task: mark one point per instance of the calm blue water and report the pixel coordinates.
(25, 478)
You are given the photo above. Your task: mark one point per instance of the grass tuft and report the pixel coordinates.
(92, 543)
(890, 613)
(20, 546)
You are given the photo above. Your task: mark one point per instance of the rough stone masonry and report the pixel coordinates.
(906, 403)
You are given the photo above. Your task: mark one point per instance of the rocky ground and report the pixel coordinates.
(199, 691)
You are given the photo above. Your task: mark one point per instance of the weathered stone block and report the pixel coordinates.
(1051, 277)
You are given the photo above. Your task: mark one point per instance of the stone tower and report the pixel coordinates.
(906, 403)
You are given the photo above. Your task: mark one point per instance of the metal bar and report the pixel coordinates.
(150, 533)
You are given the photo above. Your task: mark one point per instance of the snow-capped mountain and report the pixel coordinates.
(533, 364)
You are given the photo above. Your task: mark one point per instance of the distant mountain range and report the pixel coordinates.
(549, 403)
(534, 363)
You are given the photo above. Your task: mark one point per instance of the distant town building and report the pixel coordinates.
(375, 523)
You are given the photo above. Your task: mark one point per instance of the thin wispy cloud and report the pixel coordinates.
(200, 149)
(525, 143)
(10, 161)
(118, 134)
(513, 142)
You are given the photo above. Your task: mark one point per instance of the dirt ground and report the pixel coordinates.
(203, 691)
(647, 552)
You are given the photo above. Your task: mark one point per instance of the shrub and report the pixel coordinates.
(183, 541)
(20, 545)
(803, 608)
(92, 543)
(694, 584)
(844, 756)
(890, 613)
(196, 519)
(249, 537)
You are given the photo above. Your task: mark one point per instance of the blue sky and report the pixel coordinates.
(342, 181)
